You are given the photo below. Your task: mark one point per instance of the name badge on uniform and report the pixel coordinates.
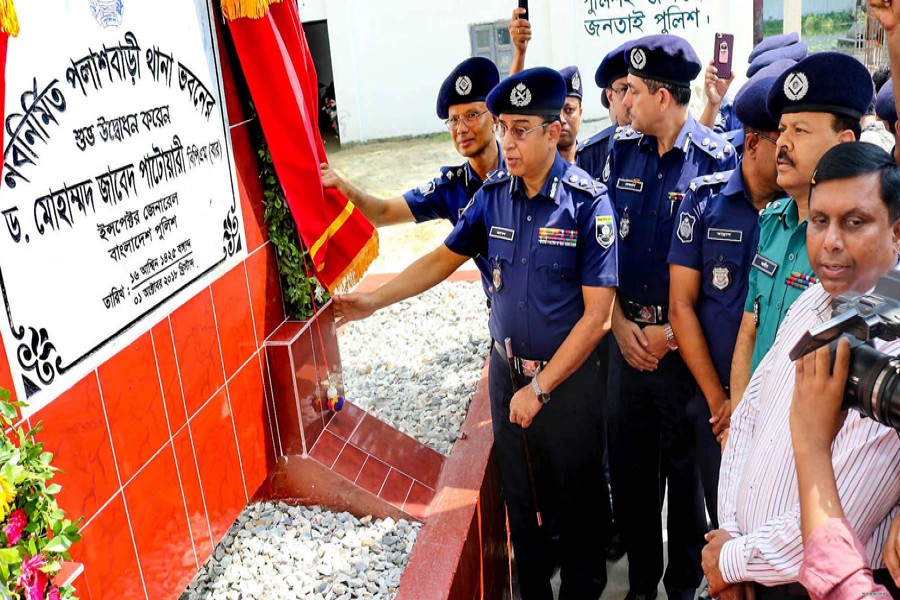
(721, 278)
(604, 231)
(725, 235)
(502, 233)
(765, 265)
(548, 236)
(630, 185)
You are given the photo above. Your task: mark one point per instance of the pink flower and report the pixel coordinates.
(15, 526)
(32, 579)
(53, 594)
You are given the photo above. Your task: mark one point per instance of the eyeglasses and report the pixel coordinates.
(469, 119)
(765, 137)
(518, 133)
(619, 92)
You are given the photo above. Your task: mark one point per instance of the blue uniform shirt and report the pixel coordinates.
(726, 119)
(646, 190)
(446, 197)
(719, 243)
(592, 153)
(542, 250)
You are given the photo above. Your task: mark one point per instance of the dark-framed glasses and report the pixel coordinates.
(470, 119)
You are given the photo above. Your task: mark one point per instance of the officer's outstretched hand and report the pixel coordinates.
(519, 31)
(524, 406)
(633, 343)
(352, 307)
(716, 88)
(887, 12)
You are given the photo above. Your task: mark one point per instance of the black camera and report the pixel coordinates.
(873, 383)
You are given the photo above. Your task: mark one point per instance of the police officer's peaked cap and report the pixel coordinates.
(572, 77)
(666, 58)
(795, 52)
(539, 91)
(885, 107)
(828, 82)
(613, 66)
(750, 101)
(771, 43)
(470, 81)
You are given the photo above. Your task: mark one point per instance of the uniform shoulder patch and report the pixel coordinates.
(628, 133)
(496, 176)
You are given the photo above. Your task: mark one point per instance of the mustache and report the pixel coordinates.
(784, 156)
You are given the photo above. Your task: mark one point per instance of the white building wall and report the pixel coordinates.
(389, 57)
(774, 9)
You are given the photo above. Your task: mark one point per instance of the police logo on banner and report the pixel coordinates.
(721, 278)
(686, 228)
(638, 59)
(520, 96)
(426, 188)
(604, 230)
(796, 86)
(463, 85)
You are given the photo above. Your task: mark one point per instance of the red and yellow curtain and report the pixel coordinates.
(282, 79)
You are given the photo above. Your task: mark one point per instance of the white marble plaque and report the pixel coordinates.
(118, 194)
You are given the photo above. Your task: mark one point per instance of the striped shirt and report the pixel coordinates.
(759, 504)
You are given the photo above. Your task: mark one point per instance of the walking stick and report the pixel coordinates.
(515, 386)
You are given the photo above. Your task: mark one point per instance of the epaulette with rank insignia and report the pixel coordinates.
(713, 144)
(578, 179)
(714, 179)
(626, 133)
(496, 176)
(776, 208)
(597, 137)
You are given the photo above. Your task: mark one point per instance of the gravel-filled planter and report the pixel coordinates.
(415, 364)
(275, 551)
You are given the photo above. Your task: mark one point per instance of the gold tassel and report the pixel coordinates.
(251, 9)
(354, 273)
(9, 22)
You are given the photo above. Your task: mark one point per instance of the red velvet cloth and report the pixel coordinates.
(282, 79)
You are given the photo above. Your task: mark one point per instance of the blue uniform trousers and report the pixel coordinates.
(650, 433)
(565, 441)
(709, 453)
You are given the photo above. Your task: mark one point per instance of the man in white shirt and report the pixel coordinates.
(852, 240)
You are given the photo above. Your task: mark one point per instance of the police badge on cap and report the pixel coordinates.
(470, 81)
(539, 91)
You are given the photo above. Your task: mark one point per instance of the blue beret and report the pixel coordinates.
(828, 82)
(750, 101)
(795, 52)
(770, 43)
(572, 77)
(538, 91)
(613, 66)
(885, 107)
(666, 58)
(470, 81)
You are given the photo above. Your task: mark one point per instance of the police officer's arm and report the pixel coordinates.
(379, 211)
(743, 356)
(520, 33)
(684, 290)
(888, 14)
(715, 89)
(425, 273)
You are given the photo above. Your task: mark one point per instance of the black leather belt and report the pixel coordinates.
(524, 367)
(641, 313)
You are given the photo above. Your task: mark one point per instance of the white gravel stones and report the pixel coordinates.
(275, 551)
(415, 364)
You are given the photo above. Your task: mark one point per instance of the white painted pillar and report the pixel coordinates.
(793, 16)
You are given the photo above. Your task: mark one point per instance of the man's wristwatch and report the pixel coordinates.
(670, 338)
(544, 398)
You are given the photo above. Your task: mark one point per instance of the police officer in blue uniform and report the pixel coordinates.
(648, 174)
(461, 105)
(886, 110)
(549, 233)
(572, 113)
(709, 266)
(612, 79)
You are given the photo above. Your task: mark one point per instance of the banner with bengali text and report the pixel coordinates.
(118, 198)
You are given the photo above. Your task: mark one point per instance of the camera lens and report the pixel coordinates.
(873, 385)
